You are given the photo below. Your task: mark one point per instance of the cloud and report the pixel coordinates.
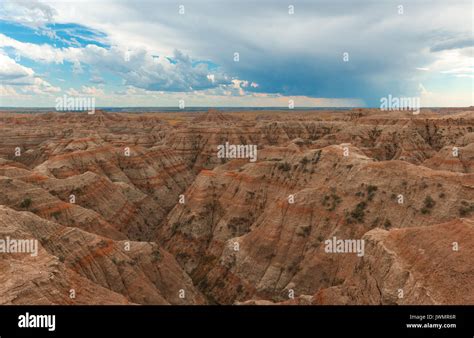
(86, 91)
(97, 79)
(37, 52)
(220, 96)
(459, 70)
(14, 75)
(137, 67)
(31, 13)
(7, 91)
(453, 63)
(298, 54)
(445, 97)
(178, 75)
(453, 44)
(280, 54)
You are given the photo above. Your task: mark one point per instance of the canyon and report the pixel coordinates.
(138, 208)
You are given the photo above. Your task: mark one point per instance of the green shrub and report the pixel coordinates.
(56, 214)
(331, 201)
(285, 166)
(428, 204)
(465, 209)
(304, 231)
(26, 203)
(317, 157)
(359, 212)
(304, 161)
(156, 255)
(371, 189)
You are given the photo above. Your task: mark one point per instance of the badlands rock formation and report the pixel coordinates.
(140, 209)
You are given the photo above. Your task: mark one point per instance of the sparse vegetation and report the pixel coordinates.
(304, 231)
(371, 189)
(375, 222)
(428, 204)
(304, 161)
(102, 243)
(358, 213)
(374, 133)
(174, 227)
(263, 221)
(285, 166)
(26, 203)
(432, 135)
(465, 209)
(330, 202)
(317, 157)
(156, 255)
(238, 225)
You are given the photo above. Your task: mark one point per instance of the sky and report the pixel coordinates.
(236, 53)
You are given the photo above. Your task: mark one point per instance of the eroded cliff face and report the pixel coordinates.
(72, 259)
(411, 266)
(139, 208)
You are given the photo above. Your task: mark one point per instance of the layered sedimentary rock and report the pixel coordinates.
(139, 208)
(93, 266)
(411, 266)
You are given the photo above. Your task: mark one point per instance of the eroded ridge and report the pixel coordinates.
(354, 206)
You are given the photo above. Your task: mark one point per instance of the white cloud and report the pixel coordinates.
(41, 53)
(31, 13)
(24, 79)
(459, 71)
(453, 62)
(14, 73)
(86, 91)
(276, 49)
(97, 79)
(138, 67)
(7, 91)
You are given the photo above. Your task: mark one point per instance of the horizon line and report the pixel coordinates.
(219, 107)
